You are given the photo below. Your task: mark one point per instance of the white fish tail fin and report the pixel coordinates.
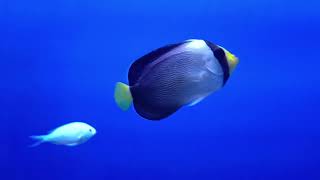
(39, 140)
(122, 96)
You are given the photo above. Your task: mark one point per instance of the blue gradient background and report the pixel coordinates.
(60, 60)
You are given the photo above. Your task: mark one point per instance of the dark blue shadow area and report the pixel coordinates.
(60, 60)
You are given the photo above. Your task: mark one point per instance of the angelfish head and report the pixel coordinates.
(231, 59)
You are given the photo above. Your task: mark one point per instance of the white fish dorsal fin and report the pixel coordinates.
(196, 101)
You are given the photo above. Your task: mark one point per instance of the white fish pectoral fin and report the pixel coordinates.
(81, 138)
(196, 101)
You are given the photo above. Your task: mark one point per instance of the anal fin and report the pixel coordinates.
(72, 144)
(196, 101)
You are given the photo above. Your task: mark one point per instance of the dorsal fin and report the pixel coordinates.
(138, 66)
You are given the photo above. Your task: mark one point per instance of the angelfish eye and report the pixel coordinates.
(90, 130)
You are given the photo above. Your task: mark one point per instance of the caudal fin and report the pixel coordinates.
(122, 96)
(39, 140)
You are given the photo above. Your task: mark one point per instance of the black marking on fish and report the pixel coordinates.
(221, 56)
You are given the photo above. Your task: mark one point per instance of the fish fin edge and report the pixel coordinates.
(196, 101)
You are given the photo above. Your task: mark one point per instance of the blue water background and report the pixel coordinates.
(60, 60)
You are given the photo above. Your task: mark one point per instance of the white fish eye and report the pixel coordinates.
(90, 130)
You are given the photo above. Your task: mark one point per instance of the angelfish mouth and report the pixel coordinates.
(231, 59)
(233, 62)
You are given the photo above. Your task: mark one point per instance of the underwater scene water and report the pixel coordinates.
(60, 61)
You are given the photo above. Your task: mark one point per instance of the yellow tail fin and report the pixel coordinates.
(122, 96)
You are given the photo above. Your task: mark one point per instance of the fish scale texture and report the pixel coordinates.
(177, 80)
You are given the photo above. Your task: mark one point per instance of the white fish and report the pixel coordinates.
(71, 134)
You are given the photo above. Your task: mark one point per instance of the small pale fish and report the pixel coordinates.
(173, 76)
(70, 134)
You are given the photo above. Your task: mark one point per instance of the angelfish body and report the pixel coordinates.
(70, 134)
(175, 75)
